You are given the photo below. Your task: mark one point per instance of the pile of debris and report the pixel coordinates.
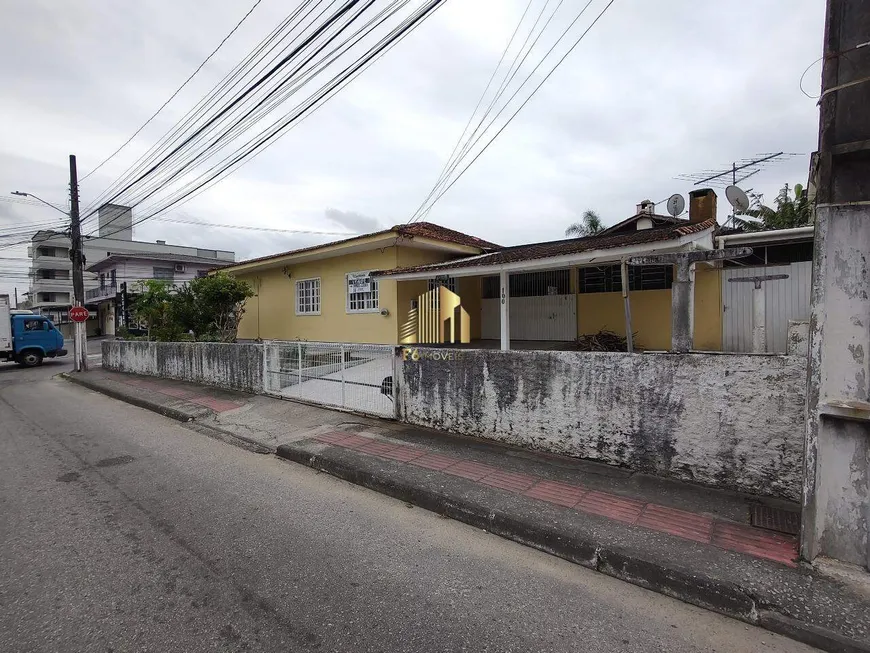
(602, 341)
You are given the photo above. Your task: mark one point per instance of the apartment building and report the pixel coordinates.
(51, 291)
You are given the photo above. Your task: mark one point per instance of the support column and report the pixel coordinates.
(682, 319)
(759, 337)
(836, 493)
(504, 278)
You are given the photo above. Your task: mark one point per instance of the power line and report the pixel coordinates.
(205, 126)
(220, 90)
(314, 102)
(269, 135)
(248, 91)
(272, 99)
(520, 108)
(177, 91)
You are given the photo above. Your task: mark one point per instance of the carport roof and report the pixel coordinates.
(559, 249)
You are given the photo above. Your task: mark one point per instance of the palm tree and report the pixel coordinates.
(792, 210)
(589, 225)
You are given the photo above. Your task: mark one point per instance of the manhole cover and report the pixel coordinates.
(776, 519)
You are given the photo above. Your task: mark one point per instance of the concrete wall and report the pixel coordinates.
(232, 366)
(734, 421)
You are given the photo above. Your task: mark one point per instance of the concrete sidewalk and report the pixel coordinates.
(689, 542)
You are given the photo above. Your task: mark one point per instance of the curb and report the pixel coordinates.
(153, 406)
(188, 418)
(709, 593)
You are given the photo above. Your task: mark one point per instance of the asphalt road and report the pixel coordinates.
(124, 531)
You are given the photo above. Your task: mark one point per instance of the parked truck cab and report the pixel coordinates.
(34, 338)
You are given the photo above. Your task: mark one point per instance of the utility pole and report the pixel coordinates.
(80, 347)
(836, 491)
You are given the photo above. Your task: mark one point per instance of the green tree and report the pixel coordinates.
(791, 209)
(211, 306)
(589, 225)
(151, 305)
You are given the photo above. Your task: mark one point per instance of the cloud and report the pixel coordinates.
(357, 222)
(655, 90)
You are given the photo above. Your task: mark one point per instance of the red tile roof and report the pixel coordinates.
(437, 232)
(563, 247)
(421, 229)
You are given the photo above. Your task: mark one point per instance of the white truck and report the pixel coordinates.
(5, 324)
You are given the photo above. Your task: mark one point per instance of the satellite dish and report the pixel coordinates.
(737, 198)
(676, 204)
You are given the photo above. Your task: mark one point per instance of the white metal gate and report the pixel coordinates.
(787, 299)
(550, 317)
(348, 376)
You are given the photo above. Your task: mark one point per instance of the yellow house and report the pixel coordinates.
(382, 287)
(327, 292)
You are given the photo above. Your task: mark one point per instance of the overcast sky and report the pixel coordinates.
(655, 90)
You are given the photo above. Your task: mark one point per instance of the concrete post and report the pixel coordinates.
(504, 277)
(836, 498)
(759, 335)
(836, 512)
(682, 293)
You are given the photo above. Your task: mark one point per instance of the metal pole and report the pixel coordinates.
(342, 374)
(629, 337)
(80, 339)
(299, 370)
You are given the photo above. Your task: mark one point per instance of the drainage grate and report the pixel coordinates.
(776, 519)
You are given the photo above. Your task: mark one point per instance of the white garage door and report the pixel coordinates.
(552, 317)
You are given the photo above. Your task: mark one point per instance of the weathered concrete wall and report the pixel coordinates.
(798, 338)
(731, 421)
(232, 366)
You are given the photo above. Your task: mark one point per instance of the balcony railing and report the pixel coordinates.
(109, 290)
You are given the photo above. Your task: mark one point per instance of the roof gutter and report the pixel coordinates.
(591, 257)
(797, 233)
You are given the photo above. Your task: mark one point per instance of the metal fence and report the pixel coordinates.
(351, 376)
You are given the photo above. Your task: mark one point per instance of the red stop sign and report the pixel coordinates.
(78, 314)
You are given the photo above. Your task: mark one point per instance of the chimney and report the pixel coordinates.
(646, 207)
(702, 205)
(161, 242)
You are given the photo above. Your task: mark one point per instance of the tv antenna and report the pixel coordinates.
(738, 171)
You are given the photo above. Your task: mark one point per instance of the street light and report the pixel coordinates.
(39, 199)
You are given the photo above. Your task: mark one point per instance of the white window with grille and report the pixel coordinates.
(362, 293)
(308, 297)
(447, 282)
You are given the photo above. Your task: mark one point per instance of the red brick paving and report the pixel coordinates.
(333, 437)
(688, 525)
(470, 470)
(755, 542)
(612, 507)
(663, 519)
(404, 454)
(378, 448)
(509, 481)
(354, 442)
(561, 494)
(434, 461)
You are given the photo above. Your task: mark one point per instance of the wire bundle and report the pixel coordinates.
(486, 122)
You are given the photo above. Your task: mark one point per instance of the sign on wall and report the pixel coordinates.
(359, 282)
